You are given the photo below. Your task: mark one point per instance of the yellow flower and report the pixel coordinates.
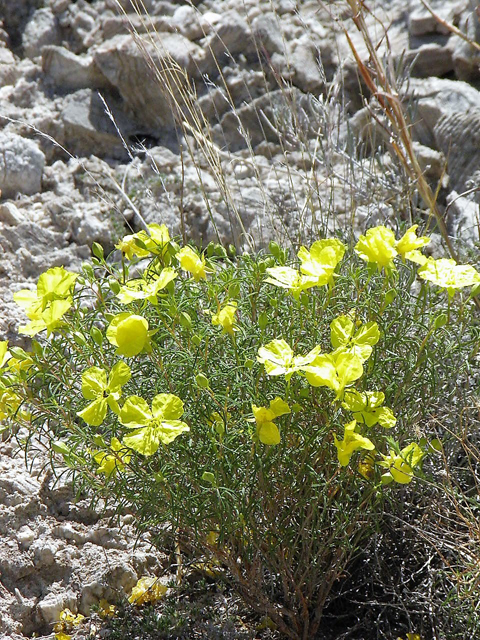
(5, 354)
(109, 464)
(67, 621)
(411, 242)
(278, 358)
(147, 590)
(191, 262)
(106, 610)
(141, 289)
(160, 424)
(49, 303)
(378, 246)
(366, 407)
(366, 465)
(345, 337)
(267, 431)
(129, 333)
(22, 361)
(350, 443)
(449, 275)
(289, 278)
(226, 318)
(104, 390)
(400, 466)
(128, 245)
(335, 370)
(9, 402)
(153, 241)
(321, 260)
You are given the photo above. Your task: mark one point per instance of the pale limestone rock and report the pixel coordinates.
(124, 65)
(66, 70)
(21, 165)
(42, 29)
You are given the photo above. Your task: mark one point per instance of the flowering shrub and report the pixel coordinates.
(255, 408)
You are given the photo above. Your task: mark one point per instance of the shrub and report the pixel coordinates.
(258, 411)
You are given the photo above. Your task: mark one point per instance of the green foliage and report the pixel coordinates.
(270, 406)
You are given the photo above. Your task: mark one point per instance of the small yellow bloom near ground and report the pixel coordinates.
(5, 354)
(412, 636)
(366, 465)
(267, 431)
(191, 262)
(105, 609)
(129, 333)
(110, 463)
(66, 624)
(9, 402)
(146, 590)
(226, 318)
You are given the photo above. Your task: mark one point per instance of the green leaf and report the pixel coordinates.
(60, 447)
(440, 321)
(97, 335)
(97, 250)
(202, 381)
(209, 477)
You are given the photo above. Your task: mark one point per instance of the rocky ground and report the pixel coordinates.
(90, 146)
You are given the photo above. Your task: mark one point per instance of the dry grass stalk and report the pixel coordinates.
(383, 88)
(450, 27)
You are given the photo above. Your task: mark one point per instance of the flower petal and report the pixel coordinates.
(135, 413)
(94, 414)
(168, 430)
(94, 382)
(166, 406)
(268, 433)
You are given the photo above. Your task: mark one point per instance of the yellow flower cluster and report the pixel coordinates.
(130, 333)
